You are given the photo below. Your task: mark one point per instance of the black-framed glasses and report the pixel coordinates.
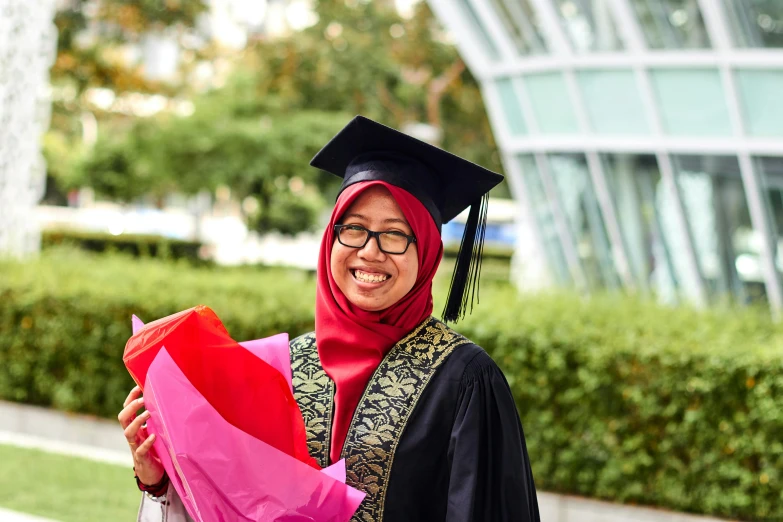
(356, 236)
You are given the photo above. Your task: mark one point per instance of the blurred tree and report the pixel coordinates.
(286, 98)
(91, 34)
(125, 167)
(364, 58)
(93, 51)
(263, 159)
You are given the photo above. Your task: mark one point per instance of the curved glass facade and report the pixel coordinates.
(647, 136)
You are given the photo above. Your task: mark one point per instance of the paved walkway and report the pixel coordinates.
(109, 456)
(6, 515)
(102, 440)
(57, 432)
(43, 423)
(562, 508)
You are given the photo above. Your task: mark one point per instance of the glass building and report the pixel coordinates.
(642, 139)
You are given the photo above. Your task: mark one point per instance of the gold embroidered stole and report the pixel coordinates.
(382, 413)
(314, 392)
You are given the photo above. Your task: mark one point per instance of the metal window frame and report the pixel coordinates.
(760, 220)
(516, 179)
(567, 240)
(497, 115)
(633, 56)
(495, 30)
(527, 106)
(638, 50)
(649, 144)
(716, 24)
(519, 18)
(720, 34)
(609, 213)
(559, 45)
(520, 191)
(637, 57)
(468, 43)
(601, 187)
(559, 42)
(635, 43)
(589, 14)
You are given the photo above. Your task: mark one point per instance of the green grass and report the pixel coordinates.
(64, 488)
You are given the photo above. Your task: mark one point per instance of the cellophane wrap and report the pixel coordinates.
(229, 432)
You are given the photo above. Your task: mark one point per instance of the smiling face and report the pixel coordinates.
(369, 278)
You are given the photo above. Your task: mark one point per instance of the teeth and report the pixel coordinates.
(369, 278)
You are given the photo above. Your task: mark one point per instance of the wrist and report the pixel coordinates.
(156, 490)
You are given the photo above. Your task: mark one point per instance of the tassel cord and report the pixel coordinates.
(467, 270)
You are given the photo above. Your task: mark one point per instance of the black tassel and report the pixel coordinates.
(467, 270)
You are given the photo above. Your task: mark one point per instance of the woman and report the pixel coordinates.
(424, 418)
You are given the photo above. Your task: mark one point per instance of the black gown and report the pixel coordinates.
(436, 436)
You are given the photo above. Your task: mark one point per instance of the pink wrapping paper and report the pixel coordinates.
(224, 474)
(245, 390)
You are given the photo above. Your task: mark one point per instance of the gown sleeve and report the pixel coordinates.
(166, 509)
(490, 476)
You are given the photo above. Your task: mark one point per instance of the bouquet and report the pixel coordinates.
(229, 432)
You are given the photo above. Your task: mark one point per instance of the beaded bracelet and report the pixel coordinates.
(156, 490)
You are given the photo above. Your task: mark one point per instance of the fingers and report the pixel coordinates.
(132, 396)
(145, 446)
(128, 413)
(132, 430)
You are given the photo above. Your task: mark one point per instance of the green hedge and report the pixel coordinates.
(631, 402)
(620, 399)
(65, 319)
(141, 245)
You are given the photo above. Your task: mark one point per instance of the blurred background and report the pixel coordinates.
(195, 121)
(154, 156)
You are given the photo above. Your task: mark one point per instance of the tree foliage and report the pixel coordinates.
(90, 34)
(285, 99)
(263, 158)
(93, 39)
(364, 58)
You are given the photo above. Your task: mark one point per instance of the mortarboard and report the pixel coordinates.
(445, 184)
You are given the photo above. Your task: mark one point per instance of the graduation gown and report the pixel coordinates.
(435, 437)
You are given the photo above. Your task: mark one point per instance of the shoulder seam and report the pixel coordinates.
(475, 367)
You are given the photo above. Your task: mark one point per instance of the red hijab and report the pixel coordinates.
(351, 341)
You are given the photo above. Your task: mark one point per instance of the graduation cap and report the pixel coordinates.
(445, 184)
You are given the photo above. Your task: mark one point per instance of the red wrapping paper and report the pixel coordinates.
(246, 391)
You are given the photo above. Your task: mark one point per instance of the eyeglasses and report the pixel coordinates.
(356, 236)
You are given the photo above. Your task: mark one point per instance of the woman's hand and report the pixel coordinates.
(148, 467)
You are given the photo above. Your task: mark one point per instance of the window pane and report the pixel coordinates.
(575, 190)
(672, 24)
(544, 219)
(656, 261)
(522, 25)
(756, 23)
(479, 31)
(771, 171)
(691, 102)
(589, 25)
(726, 245)
(512, 111)
(551, 104)
(612, 102)
(760, 94)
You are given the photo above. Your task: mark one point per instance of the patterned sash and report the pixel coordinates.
(314, 392)
(383, 411)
